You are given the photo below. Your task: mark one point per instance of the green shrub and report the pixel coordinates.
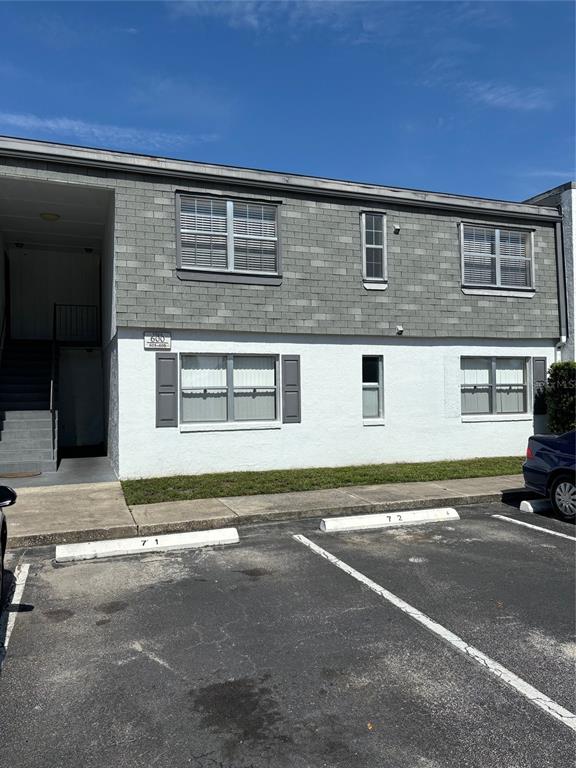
(561, 397)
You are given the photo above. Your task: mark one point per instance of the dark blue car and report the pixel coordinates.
(550, 470)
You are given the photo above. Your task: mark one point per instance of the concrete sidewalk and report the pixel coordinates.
(58, 514)
(86, 512)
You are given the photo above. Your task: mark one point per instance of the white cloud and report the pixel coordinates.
(263, 15)
(504, 96)
(70, 128)
(350, 21)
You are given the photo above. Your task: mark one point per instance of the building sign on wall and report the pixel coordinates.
(157, 340)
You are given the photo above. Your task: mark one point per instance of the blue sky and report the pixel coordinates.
(467, 97)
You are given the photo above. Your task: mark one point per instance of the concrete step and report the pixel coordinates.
(24, 414)
(30, 454)
(42, 422)
(24, 432)
(11, 467)
(32, 443)
(25, 435)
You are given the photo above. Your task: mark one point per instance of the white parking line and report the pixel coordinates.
(535, 527)
(20, 575)
(538, 698)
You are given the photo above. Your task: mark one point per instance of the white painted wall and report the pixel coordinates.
(40, 278)
(110, 365)
(568, 203)
(421, 396)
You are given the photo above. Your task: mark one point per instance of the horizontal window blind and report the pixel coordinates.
(496, 257)
(254, 255)
(203, 233)
(255, 237)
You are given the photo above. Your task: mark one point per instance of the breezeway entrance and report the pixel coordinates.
(56, 244)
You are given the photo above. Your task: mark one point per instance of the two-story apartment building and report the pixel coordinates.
(201, 318)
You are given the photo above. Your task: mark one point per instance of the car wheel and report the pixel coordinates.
(563, 497)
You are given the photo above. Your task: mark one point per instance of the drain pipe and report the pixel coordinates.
(561, 278)
(558, 349)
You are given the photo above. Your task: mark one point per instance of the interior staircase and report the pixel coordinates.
(26, 421)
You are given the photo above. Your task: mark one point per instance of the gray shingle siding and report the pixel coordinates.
(322, 290)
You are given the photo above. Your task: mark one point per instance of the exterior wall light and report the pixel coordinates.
(396, 229)
(49, 216)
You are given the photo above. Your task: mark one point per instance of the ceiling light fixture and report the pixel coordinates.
(49, 216)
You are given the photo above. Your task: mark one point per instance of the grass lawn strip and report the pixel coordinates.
(181, 487)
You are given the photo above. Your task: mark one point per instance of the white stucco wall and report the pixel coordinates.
(421, 396)
(568, 203)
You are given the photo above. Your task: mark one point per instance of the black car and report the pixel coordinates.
(7, 497)
(550, 470)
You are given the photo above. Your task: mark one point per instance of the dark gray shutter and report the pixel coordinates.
(166, 389)
(291, 389)
(539, 378)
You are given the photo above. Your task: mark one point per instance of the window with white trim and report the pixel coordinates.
(217, 388)
(496, 258)
(373, 227)
(372, 387)
(494, 385)
(227, 235)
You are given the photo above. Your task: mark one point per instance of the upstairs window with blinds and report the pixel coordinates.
(228, 236)
(496, 258)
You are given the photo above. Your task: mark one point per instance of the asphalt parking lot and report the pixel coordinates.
(265, 654)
